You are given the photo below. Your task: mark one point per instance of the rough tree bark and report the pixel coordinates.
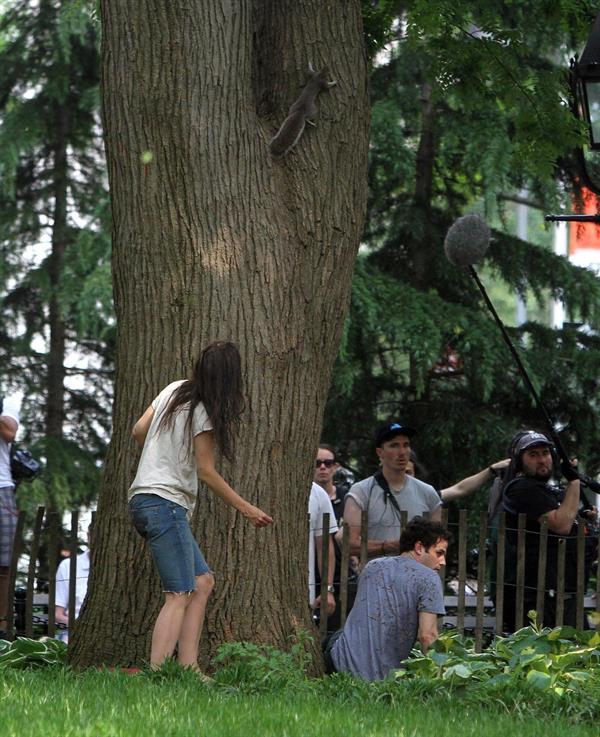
(213, 238)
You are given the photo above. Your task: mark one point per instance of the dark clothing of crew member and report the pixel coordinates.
(535, 498)
(338, 502)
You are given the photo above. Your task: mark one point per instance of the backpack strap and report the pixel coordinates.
(381, 480)
(506, 505)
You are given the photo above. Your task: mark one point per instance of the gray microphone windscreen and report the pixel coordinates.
(467, 240)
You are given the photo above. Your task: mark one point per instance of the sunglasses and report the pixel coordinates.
(327, 462)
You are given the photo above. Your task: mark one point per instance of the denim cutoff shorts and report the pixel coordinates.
(164, 526)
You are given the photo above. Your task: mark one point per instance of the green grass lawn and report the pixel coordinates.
(56, 702)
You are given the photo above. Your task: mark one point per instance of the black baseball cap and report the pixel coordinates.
(532, 440)
(390, 430)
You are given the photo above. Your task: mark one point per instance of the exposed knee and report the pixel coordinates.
(205, 584)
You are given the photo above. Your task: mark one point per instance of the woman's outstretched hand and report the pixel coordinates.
(257, 516)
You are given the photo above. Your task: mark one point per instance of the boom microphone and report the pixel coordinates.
(467, 241)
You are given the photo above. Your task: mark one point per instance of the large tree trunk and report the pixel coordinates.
(213, 238)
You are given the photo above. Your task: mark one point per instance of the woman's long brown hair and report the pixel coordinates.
(217, 383)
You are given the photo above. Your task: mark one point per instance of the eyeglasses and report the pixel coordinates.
(327, 462)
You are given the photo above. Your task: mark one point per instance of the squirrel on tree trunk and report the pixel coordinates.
(301, 113)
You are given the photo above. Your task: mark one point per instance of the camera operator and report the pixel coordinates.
(9, 424)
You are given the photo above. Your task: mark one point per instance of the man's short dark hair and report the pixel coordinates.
(330, 448)
(422, 530)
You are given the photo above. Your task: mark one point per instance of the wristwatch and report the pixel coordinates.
(330, 590)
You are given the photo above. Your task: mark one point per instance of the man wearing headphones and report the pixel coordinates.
(530, 492)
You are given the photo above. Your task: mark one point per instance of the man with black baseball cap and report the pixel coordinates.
(531, 493)
(389, 492)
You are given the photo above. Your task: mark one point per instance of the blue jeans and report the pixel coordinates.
(164, 526)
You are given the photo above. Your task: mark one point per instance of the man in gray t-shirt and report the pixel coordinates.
(398, 601)
(386, 494)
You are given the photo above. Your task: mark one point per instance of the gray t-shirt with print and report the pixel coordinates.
(415, 497)
(383, 625)
(167, 465)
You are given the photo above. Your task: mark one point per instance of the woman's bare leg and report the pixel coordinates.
(193, 621)
(167, 629)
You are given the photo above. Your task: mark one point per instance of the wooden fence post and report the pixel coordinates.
(325, 563)
(442, 570)
(403, 519)
(462, 570)
(580, 592)
(560, 582)
(33, 553)
(520, 594)
(364, 539)
(500, 553)
(73, 550)
(12, 576)
(344, 573)
(480, 582)
(598, 582)
(541, 579)
(53, 526)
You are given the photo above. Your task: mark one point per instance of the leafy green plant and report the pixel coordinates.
(255, 668)
(560, 659)
(25, 652)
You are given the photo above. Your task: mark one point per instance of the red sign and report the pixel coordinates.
(583, 236)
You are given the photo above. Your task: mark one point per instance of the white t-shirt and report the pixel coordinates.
(9, 409)
(167, 465)
(62, 581)
(318, 504)
(63, 575)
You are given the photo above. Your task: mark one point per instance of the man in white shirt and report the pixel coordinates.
(318, 504)
(9, 424)
(63, 577)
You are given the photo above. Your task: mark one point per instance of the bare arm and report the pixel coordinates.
(428, 630)
(436, 515)
(61, 615)
(561, 520)
(467, 486)
(375, 548)
(204, 452)
(8, 428)
(141, 427)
